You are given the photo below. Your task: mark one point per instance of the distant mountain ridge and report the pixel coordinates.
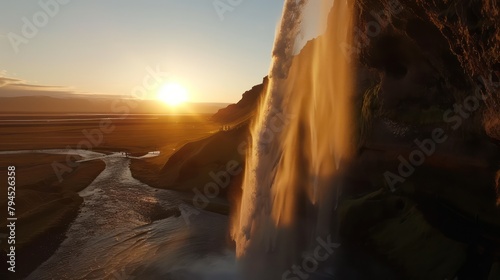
(97, 105)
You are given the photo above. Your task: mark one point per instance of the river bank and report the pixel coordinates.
(44, 206)
(121, 222)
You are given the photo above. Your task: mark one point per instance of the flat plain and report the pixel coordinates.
(45, 206)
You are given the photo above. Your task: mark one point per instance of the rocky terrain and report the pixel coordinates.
(245, 108)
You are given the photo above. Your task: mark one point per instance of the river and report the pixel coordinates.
(127, 230)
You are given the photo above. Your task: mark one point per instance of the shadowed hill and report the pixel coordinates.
(245, 108)
(190, 167)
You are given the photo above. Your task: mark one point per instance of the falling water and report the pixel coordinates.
(300, 137)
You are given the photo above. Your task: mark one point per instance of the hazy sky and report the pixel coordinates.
(105, 46)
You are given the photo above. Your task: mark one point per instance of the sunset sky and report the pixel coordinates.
(105, 46)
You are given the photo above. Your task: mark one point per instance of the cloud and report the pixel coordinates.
(4, 81)
(12, 87)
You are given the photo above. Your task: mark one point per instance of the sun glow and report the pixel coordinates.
(173, 94)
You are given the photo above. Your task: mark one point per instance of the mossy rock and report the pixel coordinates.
(394, 229)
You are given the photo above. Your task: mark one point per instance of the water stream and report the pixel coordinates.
(128, 230)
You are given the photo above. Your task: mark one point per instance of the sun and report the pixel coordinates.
(173, 94)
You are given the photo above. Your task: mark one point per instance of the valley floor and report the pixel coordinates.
(49, 184)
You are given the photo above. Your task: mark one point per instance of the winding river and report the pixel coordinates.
(128, 230)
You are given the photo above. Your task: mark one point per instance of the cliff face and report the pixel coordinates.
(433, 53)
(427, 67)
(427, 81)
(245, 108)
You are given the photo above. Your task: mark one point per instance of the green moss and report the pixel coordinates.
(370, 109)
(420, 250)
(418, 116)
(392, 227)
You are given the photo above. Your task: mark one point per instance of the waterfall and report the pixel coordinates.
(302, 134)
